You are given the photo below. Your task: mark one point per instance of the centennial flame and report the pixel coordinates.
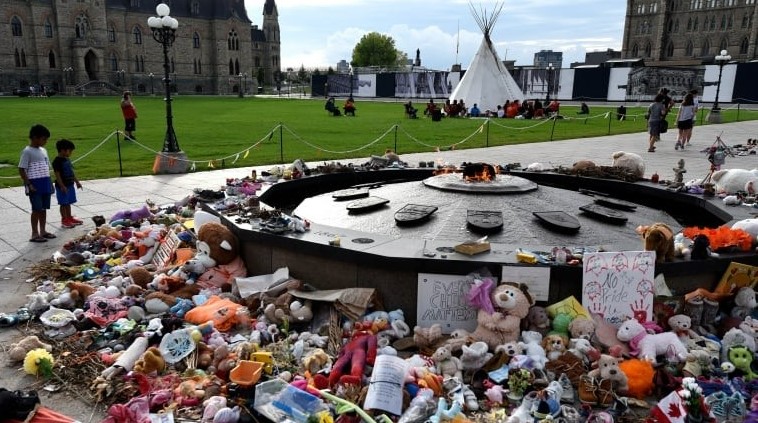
(479, 172)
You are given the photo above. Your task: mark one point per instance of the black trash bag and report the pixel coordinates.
(16, 405)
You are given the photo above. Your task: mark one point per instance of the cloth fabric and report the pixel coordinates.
(35, 162)
(223, 274)
(221, 311)
(66, 169)
(66, 198)
(686, 113)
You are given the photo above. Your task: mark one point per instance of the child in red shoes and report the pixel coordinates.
(65, 182)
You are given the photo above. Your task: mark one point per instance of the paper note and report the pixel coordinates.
(385, 389)
(536, 278)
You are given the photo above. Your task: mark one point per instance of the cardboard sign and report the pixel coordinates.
(737, 276)
(619, 285)
(442, 299)
(166, 250)
(537, 279)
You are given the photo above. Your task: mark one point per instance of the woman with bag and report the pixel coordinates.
(655, 115)
(684, 121)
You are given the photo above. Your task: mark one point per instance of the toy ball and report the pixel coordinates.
(196, 335)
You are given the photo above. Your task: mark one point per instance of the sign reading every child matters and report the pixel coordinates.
(619, 285)
(442, 299)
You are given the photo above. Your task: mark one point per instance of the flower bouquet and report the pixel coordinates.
(519, 381)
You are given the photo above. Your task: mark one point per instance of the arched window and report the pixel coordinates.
(730, 22)
(173, 66)
(195, 7)
(17, 58)
(723, 22)
(51, 60)
(137, 35)
(696, 24)
(706, 48)
(196, 40)
(648, 50)
(712, 25)
(111, 34)
(724, 44)
(194, 66)
(670, 49)
(257, 61)
(744, 20)
(231, 67)
(81, 26)
(23, 58)
(114, 62)
(744, 45)
(676, 26)
(135, 3)
(16, 27)
(48, 29)
(689, 51)
(670, 25)
(236, 67)
(232, 42)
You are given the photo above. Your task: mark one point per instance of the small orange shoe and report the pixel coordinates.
(75, 221)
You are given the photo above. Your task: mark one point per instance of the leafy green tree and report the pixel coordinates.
(330, 71)
(375, 49)
(302, 74)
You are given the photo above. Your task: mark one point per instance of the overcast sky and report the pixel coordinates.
(323, 32)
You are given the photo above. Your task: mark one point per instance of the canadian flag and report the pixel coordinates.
(669, 410)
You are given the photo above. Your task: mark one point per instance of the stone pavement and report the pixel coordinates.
(106, 196)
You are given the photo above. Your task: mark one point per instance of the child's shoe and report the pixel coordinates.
(678, 145)
(66, 223)
(75, 221)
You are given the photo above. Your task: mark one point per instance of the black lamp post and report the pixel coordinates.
(152, 88)
(351, 81)
(244, 82)
(69, 71)
(120, 77)
(239, 87)
(549, 80)
(164, 31)
(722, 59)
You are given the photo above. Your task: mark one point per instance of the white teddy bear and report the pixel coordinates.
(729, 181)
(631, 161)
(533, 348)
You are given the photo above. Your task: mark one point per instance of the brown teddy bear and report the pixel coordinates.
(217, 242)
(151, 362)
(658, 237)
(511, 303)
(19, 349)
(607, 367)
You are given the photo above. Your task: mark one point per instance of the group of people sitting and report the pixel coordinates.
(348, 107)
(530, 109)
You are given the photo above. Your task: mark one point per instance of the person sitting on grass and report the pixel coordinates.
(410, 110)
(349, 106)
(584, 109)
(474, 112)
(331, 108)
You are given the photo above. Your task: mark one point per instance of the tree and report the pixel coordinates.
(375, 49)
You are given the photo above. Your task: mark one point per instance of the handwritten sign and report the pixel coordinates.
(619, 285)
(166, 250)
(442, 299)
(536, 278)
(385, 390)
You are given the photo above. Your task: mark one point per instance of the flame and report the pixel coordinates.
(479, 172)
(444, 170)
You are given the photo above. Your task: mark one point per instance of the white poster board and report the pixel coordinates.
(619, 285)
(536, 278)
(442, 299)
(385, 390)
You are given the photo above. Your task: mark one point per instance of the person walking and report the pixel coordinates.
(66, 182)
(34, 169)
(684, 121)
(655, 114)
(130, 115)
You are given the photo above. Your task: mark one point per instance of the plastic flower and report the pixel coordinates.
(38, 362)
(692, 395)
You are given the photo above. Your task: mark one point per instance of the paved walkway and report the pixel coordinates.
(106, 196)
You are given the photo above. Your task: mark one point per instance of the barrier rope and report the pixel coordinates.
(539, 122)
(316, 147)
(478, 130)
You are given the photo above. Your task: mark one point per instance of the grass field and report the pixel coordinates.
(232, 132)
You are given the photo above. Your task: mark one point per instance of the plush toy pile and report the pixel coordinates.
(156, 305)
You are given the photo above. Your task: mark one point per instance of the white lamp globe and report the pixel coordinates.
(166, 21)
(162, 9)
(154, 22)
(174, 23)
(723, 52)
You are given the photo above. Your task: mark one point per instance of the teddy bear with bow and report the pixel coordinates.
(510, 303)
(218, 251)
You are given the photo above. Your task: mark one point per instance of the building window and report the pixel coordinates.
(689, 24)
(195, 7)
(111, 34)
(231, 67)
(135, 3)
(706, 49)
(16, 27)
(137, 35)
(648, 50)
(689, 51)
(81, 26)
(196, 40)
(670, 26)
(744, 20)
(670, 49)
(23, 58)
(724, 44)
(723, 22)
(744, 45)
(236, 67)
(730, 22)
(695, 25)
(654, 8)
(17, 58)
(114, 62)
(257, 62)
(51, 60)
(233, 42)
(139, 63)
(48, 29)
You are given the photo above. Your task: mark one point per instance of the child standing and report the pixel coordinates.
(130, 115)
(66, 182)
(34, 169)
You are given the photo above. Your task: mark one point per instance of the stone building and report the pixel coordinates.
(107, 46)
(668, 32)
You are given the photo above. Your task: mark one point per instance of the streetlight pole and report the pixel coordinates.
(549, 77)
(164, 31)
(351, 81)
(239, 87)
(722, 59)
(152, 89)
(120, 77)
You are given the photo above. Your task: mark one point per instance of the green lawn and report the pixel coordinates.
(232, 132)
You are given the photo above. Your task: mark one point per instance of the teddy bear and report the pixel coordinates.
(511, 303)
(316, 360)
(446, 364)
(533, 348)
(734, 337)
(554, 345)
(649, 346)
(583, 349)
(296, 312)
(511, 349)
(730, 181)
(218, 243)
(537, 320)
(475, 356)
(607, 367)
(426, 338)
(630, 161)
(744, 302)
(19, 349)
(151, 362)
(582, 327)
(132, 215)
(658, 237)
(681, 324)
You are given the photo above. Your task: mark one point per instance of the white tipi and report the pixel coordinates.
(487, 82)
